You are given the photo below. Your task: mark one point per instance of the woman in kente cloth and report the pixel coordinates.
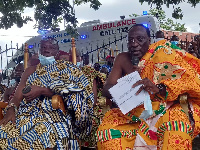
(96, 80)
(31, 122)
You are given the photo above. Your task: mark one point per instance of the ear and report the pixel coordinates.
(149, 40)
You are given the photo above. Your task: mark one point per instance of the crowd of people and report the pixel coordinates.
(91, 119)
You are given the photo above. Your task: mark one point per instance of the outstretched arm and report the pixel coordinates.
(18, 94)
(10, 113)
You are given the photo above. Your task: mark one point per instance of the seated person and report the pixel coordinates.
(9, 92)
(171, 77)
(31, 122)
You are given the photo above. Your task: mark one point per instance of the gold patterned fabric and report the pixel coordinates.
(100, 108)
(169, 127)
(38, 125)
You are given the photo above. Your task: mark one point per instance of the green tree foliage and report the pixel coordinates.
(167, 23)
(177, 13)
(134, 15)
(48, 13)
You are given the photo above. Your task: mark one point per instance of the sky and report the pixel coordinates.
(110, 10)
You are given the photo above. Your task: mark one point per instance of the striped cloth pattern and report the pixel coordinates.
(106, 135)
(174, 126)
(38, 125)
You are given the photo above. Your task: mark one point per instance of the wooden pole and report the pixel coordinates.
(116, 51)
(73, 51)
(26, 55)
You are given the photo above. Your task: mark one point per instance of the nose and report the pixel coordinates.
(45, 53)
(134, 43)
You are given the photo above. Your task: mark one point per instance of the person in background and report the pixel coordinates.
(110, 60)
(2, 87)
(174, 40)
(96, 80)
(192, 50)
(171, 77)
(106, 70)
(97, 66)
(17, 74)
(85, 59)
(159, 36)
(31, 122)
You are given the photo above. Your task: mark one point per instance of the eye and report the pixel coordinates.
(130, 40)
(140, 38)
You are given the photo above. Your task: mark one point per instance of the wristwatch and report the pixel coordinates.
(11, 105)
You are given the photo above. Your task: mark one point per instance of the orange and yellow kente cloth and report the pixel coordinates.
(169, 127)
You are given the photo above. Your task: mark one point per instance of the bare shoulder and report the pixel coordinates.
(122, 59)
(123, 55)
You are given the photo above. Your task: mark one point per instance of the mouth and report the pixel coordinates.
(136, 53)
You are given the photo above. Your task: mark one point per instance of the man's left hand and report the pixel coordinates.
(35, 92)
(147, 85)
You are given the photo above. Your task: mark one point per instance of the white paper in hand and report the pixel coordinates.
(124, 95)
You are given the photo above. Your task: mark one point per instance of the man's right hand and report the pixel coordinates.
(10, 116)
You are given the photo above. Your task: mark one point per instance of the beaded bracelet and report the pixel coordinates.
(11, 105)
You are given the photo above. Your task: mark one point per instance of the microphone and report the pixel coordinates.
(135, 60)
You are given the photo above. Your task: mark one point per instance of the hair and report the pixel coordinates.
(160, 34)
(49, 39)
(141, 25)
(86, 55)
(19, 64)
(174, 38)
